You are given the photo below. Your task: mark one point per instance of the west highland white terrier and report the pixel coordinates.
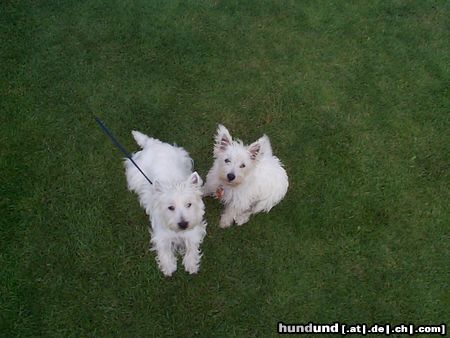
(247, 179)
(173, 203)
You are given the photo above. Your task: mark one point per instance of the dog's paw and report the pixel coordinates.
(192, 269)
(240, 220)
(225, 222)
(168, 269)
(191, 264)
(168, 272)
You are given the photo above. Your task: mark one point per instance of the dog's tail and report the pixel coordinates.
(141, 139)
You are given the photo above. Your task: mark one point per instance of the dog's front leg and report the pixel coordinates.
(192, 256)
(227, 217)
(165, 257)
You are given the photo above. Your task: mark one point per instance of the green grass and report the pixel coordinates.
(355, 98)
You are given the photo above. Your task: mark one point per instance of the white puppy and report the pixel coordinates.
(174, 201)
(247, 179)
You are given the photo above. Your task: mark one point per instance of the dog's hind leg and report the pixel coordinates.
(243, 217)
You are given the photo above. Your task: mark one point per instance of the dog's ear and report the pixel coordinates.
(158, 187)
(254, 149)
(223, 139)
(195, 179)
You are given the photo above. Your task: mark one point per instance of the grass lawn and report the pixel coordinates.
(355, 96)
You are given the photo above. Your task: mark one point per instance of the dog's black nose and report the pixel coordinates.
(183, 225)
(231, 177)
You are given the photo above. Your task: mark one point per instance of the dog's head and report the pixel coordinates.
(234, 159)
(181, 205)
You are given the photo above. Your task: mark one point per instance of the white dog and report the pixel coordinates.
(174, 201)
(247, 179)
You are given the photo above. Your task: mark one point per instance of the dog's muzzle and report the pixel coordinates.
(183, 225)
(231, 177)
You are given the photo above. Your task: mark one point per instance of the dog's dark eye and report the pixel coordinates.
(242, 165)
(171, 208)
(188, 205)
(227, 161)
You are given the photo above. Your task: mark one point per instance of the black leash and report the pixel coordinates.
(118, 145)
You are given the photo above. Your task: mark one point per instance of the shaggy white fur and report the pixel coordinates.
(247, 179)
(174, 202)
